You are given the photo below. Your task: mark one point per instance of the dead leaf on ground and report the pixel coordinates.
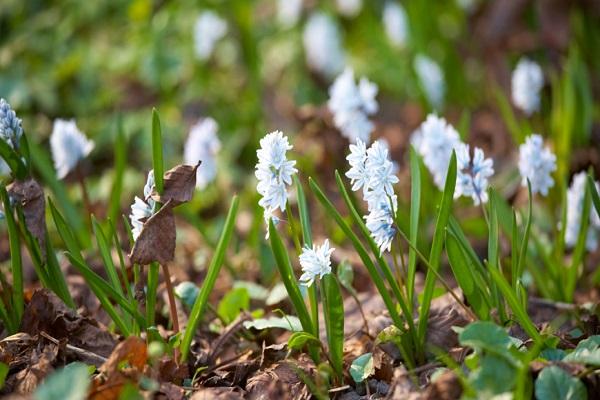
(446, 387)
(179, 185)
(36, 360)
(30, 195)
(280, 381)
(218, 393)
(157, 238)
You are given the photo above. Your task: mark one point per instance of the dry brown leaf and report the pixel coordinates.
(30, 195)
(157, 238)
(217, 393)
(179, 186)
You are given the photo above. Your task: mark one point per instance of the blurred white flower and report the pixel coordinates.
(4, 168)
(208, 30)
(141, 209)
(69, 145)
(431, 77)
(351, 104)
(203, 145)
(472, 174)
(315, 263)
(10, 126)
(395, 23)
(349, 8)
(575, 197)
(288, 12)
(323, 45)
(434, 140)
(536, 163)
(527, 81)
(380, 223)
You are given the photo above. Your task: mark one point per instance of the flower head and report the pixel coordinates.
(432, 80)
(208, 30)
(323, 45)
(288, 12)
(380, 223)
(141, 209)
(315, 263)
(395, 23)
(10, 126)
(527, 81)
(69, 145)
(536, 163)
(203, 145)
(575, 198)
(472, 174)
(349, 8)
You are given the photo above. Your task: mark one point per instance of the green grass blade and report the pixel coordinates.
(151, 288)
(157, 152)
(209, 282)
(120, 154)
(493, 253)
(525, 241)
(415, 205)
(123, 267)
(56, 276)
(594, 192)
(13, 160)
(333, 307)
(104, 248)
(16, 262)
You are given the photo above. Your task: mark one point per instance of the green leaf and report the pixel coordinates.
(553, 383)
(120, 154)
(587, 352)
(69, 383)
(277, 294)
(415, 204)
(233, 303)
(345, 275)
(495, 374)
(255, 291)
(13, 160)
(157, 152)
(594, 192)
(525, 240)
(105, 254)
(362, 367)
(333, 308)
(298, 340)
(289, 322)
(3, 372)
(484, 335)
(16, 262)
(187, 292)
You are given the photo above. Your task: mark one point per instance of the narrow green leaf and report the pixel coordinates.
(298, 340)
(104, 248)
(16, 262)
(333, 307)
(151, 289)
(415, 204)
(13, 160)
(525, 240)
(157, 152)
(594, 192)
(493, 253)
(120, 154)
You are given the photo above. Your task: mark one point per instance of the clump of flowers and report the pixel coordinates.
(274, 172)
(536, 164)
(208, 30)
(349, 8)
(203, 145)
(323, 45)
(10, 131)
(434, 141)
(315, 262)
(69, 145)
(372, 170)
(473, 174)
(141, 209)
(575, 198)
(352, 104)
(527, 81)
(395, 23)
(431, 78)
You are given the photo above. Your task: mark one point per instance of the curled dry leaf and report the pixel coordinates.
(30, 195)
(157, 239)
(179, 185)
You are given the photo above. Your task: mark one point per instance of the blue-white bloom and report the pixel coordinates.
(380, 223)
(352, 104)
(527, 81)
(472, 174)
(203, 145)
(141, 209)
(10, 126)
(395, 23)
(434, 141)
(431, 78)
(288, 12)
(315, 263)
(69, 145)
(536, 163)
(575, 198)
(208, 30)
(323, 45)
(349, 8)
(358, 172)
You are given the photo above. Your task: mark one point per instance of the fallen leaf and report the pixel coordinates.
(446, 387)
(218, 393)
(157, 238)
(179, 185)
(279, 381)
(30, 195)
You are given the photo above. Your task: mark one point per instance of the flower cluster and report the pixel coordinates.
(208, 30)
(315, 263)
(575, 198)
(527, 81)
(536, 164)
(473, 174)
(69, 145)
(323, 45)
(203, 145)
(274, 172)
(141, 209)
(372, 170)
(432, 80)
(395, 23)
(351, 105)
(10, 131)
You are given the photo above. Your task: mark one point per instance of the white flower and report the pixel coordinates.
(141, 209)
(527, 81)
(351, 104)
(357, 172)
(69, 145)
(315, 263)
(432, 80)
(203, 145)
(575, 197)
(323, 45)
(288, 12)
(349, 8)
(380, 223)
(381, 169)
(10, 126)
(472, 174)
(434, 141)
(208, 30)
(395, 23)
(536, 163)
